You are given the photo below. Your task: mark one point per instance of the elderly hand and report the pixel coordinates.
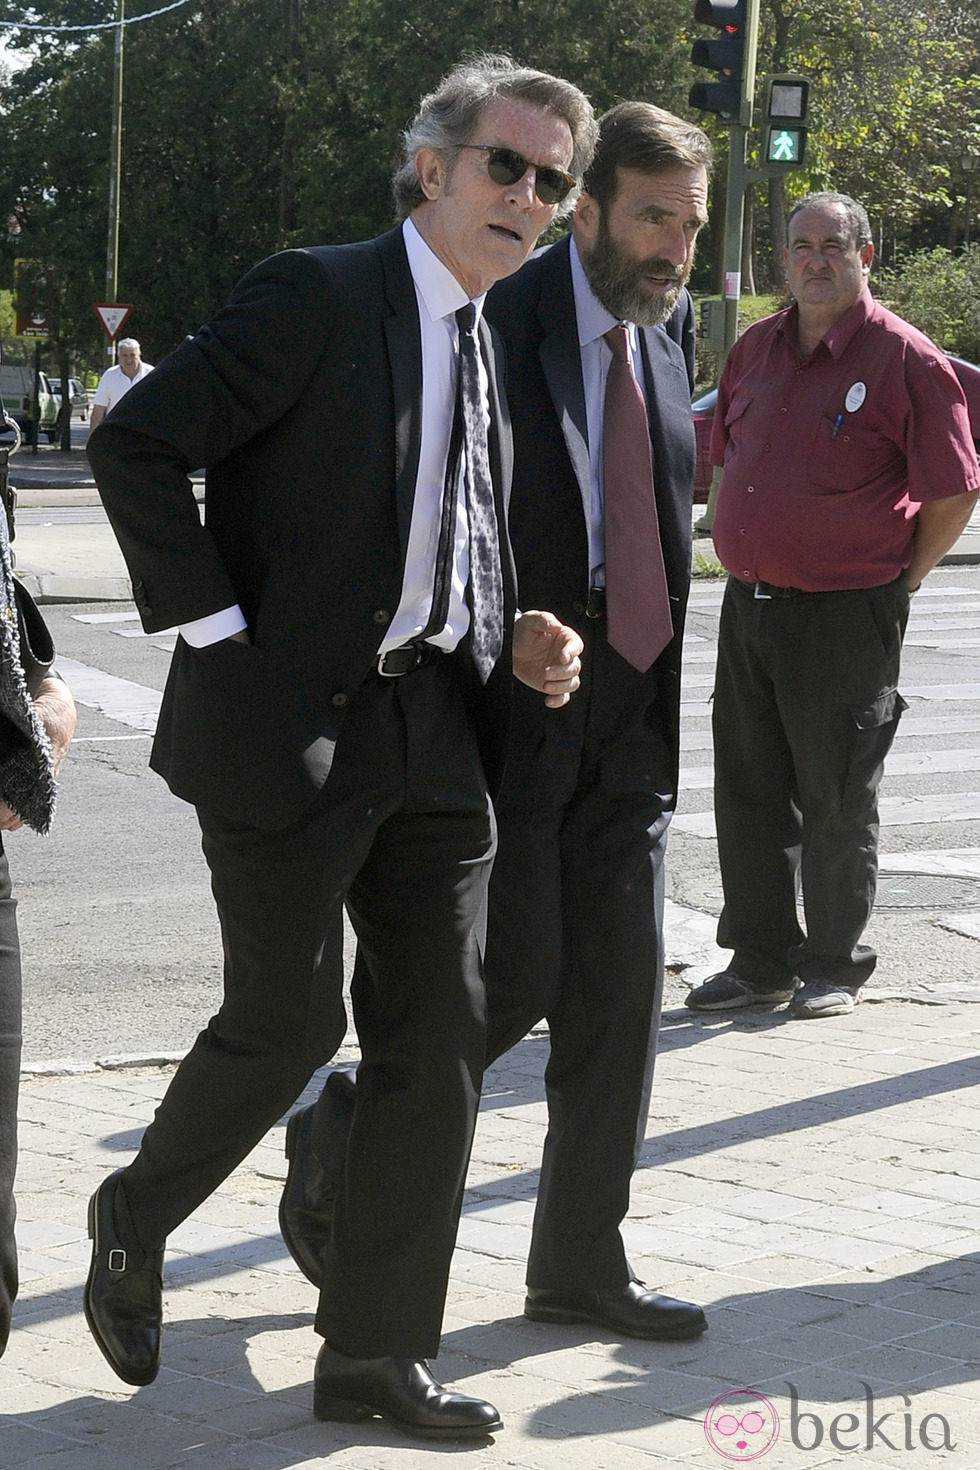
(547, 656)
(56, 710)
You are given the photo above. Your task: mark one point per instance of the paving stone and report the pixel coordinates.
(834, 1235)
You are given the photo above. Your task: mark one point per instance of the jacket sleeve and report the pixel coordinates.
(239, 374)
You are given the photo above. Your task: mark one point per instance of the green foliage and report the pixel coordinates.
(939, 293)
(750, 309)
(894, 103)
(705, 565)
(253, 124)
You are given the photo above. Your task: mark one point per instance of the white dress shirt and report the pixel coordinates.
(439, 296)
(593, 322)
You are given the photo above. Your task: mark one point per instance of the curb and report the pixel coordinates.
(50, 588)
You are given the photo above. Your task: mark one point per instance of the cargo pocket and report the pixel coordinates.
(875, 726)
(884, 710)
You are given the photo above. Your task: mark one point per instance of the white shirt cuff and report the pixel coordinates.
(203, 631)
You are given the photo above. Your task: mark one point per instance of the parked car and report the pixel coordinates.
(703, 412)
(77, 394)
(969, 377)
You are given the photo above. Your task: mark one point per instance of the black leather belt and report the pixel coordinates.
(596, 605)
(398, 662)
(765, 591)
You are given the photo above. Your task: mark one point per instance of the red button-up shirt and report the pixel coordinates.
(827, 458)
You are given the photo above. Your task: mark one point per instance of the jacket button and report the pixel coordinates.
(339, 701)
(578, 607)
(381, 616)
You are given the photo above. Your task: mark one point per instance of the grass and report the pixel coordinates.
(704, 564)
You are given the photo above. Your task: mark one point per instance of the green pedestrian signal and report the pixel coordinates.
(787, 103)
(785, 145)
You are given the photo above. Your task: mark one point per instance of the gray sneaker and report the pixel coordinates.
(728, 992)
(824, 998)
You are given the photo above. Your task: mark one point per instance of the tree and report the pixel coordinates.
(895, 92)
(939, 292)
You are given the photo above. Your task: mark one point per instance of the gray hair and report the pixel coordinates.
(448, 117)
(856, 215)
(128, 342)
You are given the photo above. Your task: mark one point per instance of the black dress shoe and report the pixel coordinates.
(123, 1294)
(310, 1192)
(400, 1390)
(632, 1310)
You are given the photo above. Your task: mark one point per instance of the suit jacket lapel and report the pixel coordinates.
(404, 341)
(561, 359)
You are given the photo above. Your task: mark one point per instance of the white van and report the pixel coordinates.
(17, 392)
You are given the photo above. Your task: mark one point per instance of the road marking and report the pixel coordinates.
(909, 763)
(893, 811)
(120, 699)
(113, 617)
(106, 739)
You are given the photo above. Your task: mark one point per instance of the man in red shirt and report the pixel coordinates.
(849, 471)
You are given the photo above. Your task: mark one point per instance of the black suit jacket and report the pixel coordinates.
(302, 398)
(534, 312)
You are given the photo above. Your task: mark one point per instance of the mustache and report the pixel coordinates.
(655, 266)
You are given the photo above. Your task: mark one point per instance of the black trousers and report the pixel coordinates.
(10, 1047)
(404, 834)
(806, 706)
(575, 934)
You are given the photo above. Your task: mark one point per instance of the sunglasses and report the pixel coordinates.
(507, 166)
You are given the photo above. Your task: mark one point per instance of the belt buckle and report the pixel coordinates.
(596, 605)
(759, 595)
(407, 664)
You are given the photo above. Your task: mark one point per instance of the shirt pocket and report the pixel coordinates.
(848, 454)
(735, 427)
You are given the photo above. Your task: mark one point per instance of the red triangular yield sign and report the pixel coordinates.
(112, 316)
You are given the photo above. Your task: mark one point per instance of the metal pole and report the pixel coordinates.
(738, 177)
(738, 133)
(115, 170)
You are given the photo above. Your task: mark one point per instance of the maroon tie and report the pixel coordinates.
(638, 621)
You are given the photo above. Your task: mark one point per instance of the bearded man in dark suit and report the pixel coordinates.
(335, 711)
(575, 919)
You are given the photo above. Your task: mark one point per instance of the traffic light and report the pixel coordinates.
(787, 101)
(724, 54)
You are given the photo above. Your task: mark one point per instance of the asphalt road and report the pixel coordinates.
(121, 949)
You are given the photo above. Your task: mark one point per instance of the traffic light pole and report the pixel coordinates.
(738, 178)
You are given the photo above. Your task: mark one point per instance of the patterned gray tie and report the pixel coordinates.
(486, 590)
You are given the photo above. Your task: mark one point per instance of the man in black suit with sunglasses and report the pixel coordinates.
(335, 711)
(575, 919)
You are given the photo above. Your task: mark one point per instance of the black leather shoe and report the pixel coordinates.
(310, 1193)
(633, 1310)
(400, 1390)
(123, 1294)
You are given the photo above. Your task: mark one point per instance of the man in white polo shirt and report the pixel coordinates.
(116, 381)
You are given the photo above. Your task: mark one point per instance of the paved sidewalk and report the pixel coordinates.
(816, 1185)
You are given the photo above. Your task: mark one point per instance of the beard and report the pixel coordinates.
(618, 281)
